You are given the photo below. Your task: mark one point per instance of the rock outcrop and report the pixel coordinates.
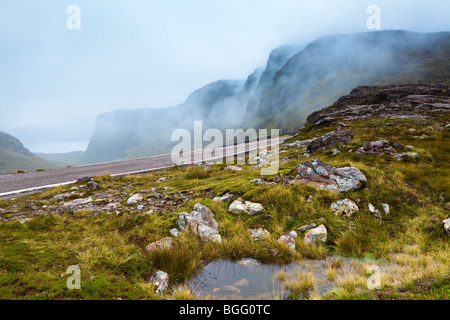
(406, 101)
(330, 140)
(324, 176)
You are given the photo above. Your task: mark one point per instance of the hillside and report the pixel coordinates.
(296, 81)
(363, 185)
(333, 65)
(14, 156)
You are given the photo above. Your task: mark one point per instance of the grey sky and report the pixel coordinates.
(135, 54)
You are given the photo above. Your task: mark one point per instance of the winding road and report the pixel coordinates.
(24, 183)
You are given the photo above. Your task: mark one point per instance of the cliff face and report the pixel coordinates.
(331, 66)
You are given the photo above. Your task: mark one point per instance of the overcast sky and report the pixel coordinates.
(153, 53)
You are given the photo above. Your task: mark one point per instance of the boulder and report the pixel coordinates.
(160, 280)
(324, 176)
(163, 244)
(200, 221)
(345, 207)
(251, 208)
(318, 234)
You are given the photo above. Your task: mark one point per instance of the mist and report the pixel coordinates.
(139, 54)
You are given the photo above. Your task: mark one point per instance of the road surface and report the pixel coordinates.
(15, 184)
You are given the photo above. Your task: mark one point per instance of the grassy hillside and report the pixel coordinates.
(14, 156)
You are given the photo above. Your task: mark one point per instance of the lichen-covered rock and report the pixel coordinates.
(324, 176)
(200, 221)
(251, 208)
(318, 234)
(163, 244)
(259, 233)
(345, 207)
(289, 239)
(160, 280)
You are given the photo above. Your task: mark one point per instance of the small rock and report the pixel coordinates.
(259, 233)
(135, 198)
(244, 283)
(93, 186)
(78, 202)
(335, 152)
(140, 207)
(375, 211)
(318, 234)
(289, 239)
(401, 156)
(251, 208)
(233, 168)
(344, 207)
(224, 198)
(174, 232)
(307, 227)
(386, 208)
(25, 220)
(160, 279)
(84, 180)
(163, 244)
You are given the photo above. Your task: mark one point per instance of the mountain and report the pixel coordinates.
(295, 82)
(125, 134)
(14, 156)
(332, 65)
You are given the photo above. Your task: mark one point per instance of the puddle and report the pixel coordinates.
(251, 280)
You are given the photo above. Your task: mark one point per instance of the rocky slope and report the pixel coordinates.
(14, 156)
(333, 65)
